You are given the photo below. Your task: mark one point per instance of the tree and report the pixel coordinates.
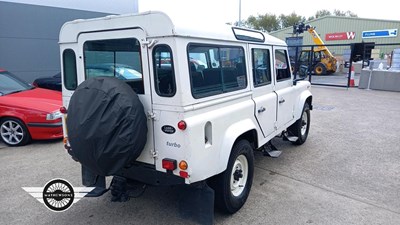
(270, 22)
(310, 18)
(267, 22)
(290, 20)
(347, 13)
(322, 13)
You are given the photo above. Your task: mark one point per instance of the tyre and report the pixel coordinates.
(107, 125)
(301, 127)
(232, 187)
(320, 69)
(13, 132)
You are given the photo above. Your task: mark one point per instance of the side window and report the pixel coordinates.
(216, 69)
(281, 65)
(317, 56)
(69, 63)
(120, 58)
(164, 75)
(304, 57)
(261, 67)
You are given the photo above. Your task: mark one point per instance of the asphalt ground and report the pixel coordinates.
(348, 172)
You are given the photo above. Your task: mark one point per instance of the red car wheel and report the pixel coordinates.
(13, 132)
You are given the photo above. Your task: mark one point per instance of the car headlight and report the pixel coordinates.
(54, 115)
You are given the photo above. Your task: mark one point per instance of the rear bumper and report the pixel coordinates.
(147, 174)
(144, 173)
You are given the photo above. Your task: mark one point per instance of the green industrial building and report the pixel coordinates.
(346, 30)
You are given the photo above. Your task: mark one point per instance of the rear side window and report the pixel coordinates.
(120, 58)
(69, 63)
(261, 67)
(281, 65)
(216, 69)
(164, 74)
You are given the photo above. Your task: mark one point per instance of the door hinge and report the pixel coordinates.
(275, 125)
(151, 115)
(154, 153)
(149, 44)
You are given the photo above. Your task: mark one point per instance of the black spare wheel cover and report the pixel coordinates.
(107, 125)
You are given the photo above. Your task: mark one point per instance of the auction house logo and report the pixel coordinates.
(58, 195)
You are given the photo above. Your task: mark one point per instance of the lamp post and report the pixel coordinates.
(240, 13)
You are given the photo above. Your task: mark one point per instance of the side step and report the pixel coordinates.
(286, 137)
(270, 150)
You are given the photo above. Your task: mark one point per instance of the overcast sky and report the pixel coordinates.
(222, 11)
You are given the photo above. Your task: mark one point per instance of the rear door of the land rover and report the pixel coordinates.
(123, 54)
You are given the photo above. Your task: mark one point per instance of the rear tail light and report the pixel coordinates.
(169, 164)
(65, 140)
(67, 146)
(184, 174)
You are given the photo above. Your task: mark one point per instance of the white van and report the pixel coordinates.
(209, 97)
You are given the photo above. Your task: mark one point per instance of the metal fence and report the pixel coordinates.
(332, 65)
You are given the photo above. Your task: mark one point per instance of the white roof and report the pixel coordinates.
(155, 24)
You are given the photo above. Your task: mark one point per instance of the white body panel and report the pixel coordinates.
(215, 122)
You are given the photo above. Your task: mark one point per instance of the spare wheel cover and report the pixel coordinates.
(107, 125)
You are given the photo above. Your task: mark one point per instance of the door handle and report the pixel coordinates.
(281, 101)
(260, 110)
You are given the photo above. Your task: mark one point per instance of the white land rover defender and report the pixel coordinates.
(156, 102)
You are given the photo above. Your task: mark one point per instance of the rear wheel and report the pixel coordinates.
(13, 132)
(232, 187)
(320, 69)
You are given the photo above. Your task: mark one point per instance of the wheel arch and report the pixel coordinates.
(245, 129)
(12, 117)
(306, 96)
(14, 114)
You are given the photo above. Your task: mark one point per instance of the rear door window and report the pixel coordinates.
(69, 67)
(120, 58)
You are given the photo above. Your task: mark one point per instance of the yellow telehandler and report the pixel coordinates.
(322, 62)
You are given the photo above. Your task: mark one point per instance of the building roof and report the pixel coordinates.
(154, 24)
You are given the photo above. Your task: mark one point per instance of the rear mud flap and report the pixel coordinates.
(196, 203)
(89, 179)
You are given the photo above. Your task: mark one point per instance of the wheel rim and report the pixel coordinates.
(318, 70)
(11, 132)
(304, 122)
(239, 175)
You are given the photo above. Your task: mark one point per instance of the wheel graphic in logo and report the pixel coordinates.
(58, 195)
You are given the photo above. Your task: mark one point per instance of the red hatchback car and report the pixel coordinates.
(27, 112)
